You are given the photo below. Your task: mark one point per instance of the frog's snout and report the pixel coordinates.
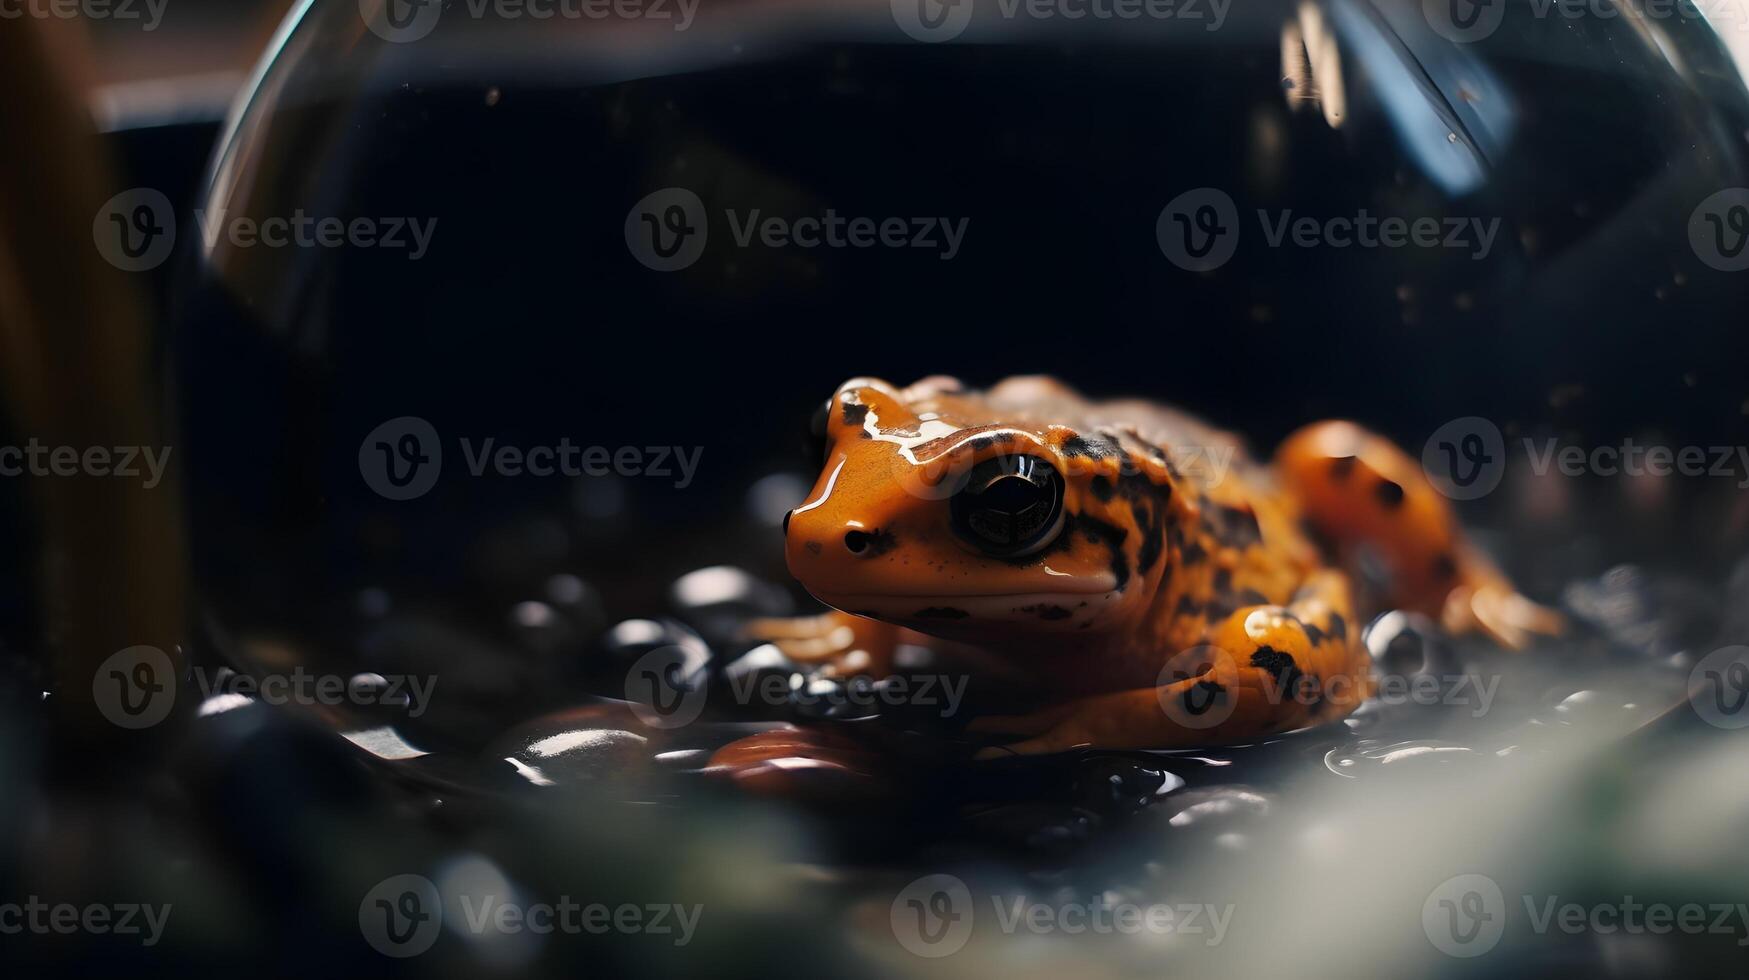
(831, 552)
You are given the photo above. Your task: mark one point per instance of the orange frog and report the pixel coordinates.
(1160, 586)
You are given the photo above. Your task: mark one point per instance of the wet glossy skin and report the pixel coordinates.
(1174, 571)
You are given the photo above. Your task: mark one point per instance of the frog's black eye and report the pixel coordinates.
(814, 443)
(1011, 506)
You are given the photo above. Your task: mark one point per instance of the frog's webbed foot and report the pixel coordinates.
(841, 644)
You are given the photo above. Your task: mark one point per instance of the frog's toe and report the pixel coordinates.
(846, 644)
(1501, 614)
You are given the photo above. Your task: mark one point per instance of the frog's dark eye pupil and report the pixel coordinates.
(1010, 505)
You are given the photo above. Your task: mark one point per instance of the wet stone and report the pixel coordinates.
(581, 745)
(1368, 716)
(1407, 645)
(1629, 608)
(1116, 786)
(1372, 758)
(918, 702)
(1217, 810)
(1577, 705)
(1605, 708)
(763, 661)
(1047, 828)
(825, 698)
(683, 759)
(681, 655)
(269, 770)
(1528, 739)
(761, 681)
(471, 667)
(376, 695)
(543, 631)
(810, 765)
(719, 600)
(472, 681)
(577, 601)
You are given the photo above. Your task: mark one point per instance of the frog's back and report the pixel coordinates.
(1200, 452)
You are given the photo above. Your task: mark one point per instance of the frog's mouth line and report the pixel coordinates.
(1104, 584)
(1047, 607)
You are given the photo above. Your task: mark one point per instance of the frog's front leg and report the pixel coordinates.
(845, 645)
(1265, 669)
(1364, 494)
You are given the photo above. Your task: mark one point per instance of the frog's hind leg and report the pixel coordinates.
(1362, 493)
(1265, 669)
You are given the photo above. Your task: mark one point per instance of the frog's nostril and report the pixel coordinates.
(856, 541)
